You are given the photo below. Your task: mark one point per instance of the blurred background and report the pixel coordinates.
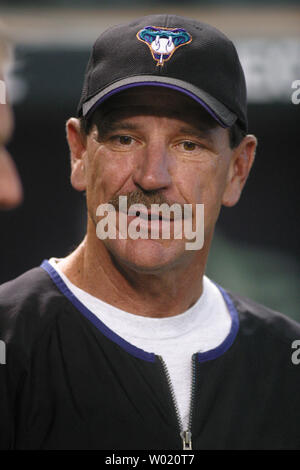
(256, 246)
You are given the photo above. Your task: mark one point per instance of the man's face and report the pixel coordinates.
(159, 144)
(10, 186)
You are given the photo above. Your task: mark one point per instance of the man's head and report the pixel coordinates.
(10, 186)
(162, 118)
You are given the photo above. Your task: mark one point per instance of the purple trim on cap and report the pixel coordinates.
(165, 85)
(130, 348)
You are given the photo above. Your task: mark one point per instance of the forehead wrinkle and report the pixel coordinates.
(118, 124)
(111, 119)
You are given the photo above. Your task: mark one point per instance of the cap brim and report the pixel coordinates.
(215, 108)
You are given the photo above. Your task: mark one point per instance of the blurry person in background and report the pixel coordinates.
(10, 184)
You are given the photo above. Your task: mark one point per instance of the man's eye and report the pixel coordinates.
(124, 139)
(189, 146)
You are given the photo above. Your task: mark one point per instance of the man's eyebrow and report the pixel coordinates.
(106, 126)
(202, 132)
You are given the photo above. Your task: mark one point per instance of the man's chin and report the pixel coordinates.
(146, 255)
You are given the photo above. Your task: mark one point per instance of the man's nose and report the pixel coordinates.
(153, 167)
(11, 193)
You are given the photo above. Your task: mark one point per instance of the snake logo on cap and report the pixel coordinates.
(163, 42)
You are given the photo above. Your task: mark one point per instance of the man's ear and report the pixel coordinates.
(77, 145)
(240, 165)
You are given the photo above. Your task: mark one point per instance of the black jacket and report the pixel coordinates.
(71, 383)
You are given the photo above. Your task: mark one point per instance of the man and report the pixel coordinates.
(125, 343)
(10, 185)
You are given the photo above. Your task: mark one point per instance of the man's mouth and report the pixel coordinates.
(151, 216)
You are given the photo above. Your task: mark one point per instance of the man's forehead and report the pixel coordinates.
(154, 100)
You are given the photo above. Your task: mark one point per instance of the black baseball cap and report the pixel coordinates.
(169, 51)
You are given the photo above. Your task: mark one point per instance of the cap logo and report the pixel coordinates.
(163, 42)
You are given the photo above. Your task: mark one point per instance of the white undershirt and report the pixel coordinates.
(201, 328)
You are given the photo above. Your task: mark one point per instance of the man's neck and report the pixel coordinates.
(159, 293)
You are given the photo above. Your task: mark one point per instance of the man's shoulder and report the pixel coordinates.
(28, 287)
(257, 318)
(27, 301)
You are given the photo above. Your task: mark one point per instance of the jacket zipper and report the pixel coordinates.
(186, 435)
